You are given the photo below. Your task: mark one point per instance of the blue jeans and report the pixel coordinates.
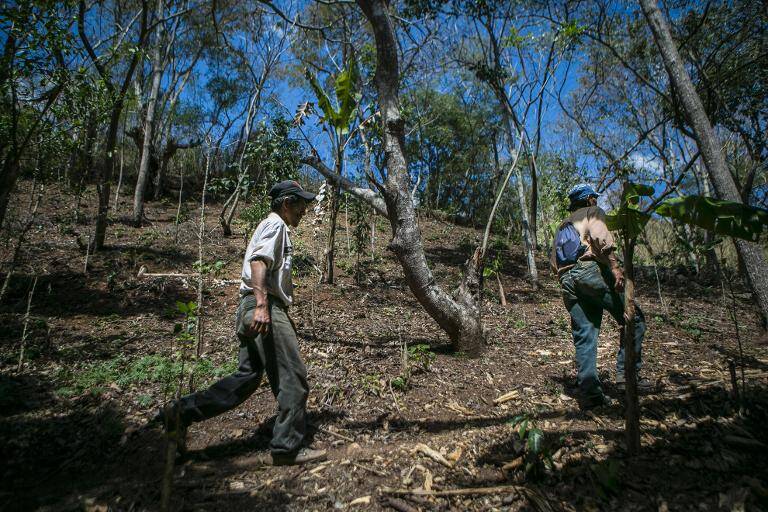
(588, 289)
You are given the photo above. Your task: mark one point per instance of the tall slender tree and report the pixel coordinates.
(750, 253)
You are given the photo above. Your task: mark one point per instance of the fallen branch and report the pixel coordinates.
(369, 469)
(432, 454)
(400, 505)
(499, 489)
(143, 273)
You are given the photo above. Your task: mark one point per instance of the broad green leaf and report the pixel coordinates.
(627, 220)
(182, 307)
(517, 419)
(535, 440)
(523, 429)
(323, 101)
(722, 217)
(634, 191)
(346, 96)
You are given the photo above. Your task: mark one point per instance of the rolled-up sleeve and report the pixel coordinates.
(268, 247)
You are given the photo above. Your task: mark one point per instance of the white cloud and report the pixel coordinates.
(649, 164)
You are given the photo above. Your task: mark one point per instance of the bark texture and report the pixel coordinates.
(751, 254)
(459, 316)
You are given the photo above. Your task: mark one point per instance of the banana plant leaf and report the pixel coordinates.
(722, 217)
(323, 101)
(346, 96)
(627, 220)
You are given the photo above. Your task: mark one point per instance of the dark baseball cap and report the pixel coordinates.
(290, 188)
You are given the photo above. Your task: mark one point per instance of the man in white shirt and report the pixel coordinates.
(267, 337)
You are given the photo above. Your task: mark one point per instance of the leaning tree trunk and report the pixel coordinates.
(459, 317)
(751, 254)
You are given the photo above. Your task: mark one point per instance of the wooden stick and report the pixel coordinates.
(499, 489)
(432, 454)
(400, 505)
(143, 273)
(340, 436)
(505, 397)
(372, 470)
(26, 325)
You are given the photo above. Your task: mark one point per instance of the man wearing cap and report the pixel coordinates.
(267, 337)
(583, 257)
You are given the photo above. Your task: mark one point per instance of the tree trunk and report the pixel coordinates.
(149, 124)
(105, 176)
(499, 194)
(118, 98)
(751, 254)
(530, 249)
(335, 193)
(11, 172)
(534, 199)
(632, 413)
(459, 317)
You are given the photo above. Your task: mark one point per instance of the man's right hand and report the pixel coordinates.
(261, 320)
(618, 277)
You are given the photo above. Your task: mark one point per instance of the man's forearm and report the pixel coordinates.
(259, 281)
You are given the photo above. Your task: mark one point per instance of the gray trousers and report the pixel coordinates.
(277, 353)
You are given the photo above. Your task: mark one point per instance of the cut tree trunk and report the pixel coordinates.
(751, 254)
(458, 316)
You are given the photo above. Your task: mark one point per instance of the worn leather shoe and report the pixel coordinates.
(303, 456)
(596, 402)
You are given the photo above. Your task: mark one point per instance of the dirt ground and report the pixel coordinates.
(100, 339)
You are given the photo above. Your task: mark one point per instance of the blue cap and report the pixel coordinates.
(581, 192)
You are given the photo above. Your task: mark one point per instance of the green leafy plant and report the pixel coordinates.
(494, 269)
(400, 383)
(605, 478)
(371, 383)
(215, 268)
(420, 355)
(340, 116)
(726, 218)
(537, 452)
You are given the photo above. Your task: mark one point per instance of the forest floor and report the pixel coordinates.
(100, 348)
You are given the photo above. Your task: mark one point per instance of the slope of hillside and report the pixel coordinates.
(100, 349)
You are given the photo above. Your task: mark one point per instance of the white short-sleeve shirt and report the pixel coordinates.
(271, 244)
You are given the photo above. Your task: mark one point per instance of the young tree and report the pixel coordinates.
(122, 26)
